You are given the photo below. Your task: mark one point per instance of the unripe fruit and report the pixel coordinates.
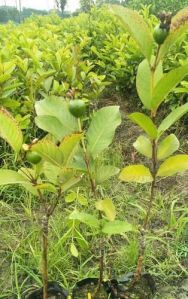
(77, 108)
(160, 34)
(33, 157)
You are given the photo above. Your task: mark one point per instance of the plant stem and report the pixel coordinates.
(153, 185)
(45, 221)
(101, 262)
(146, 221)
(94, 191)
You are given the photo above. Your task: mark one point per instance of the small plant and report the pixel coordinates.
(153, 86)
(49, 174)
(95, 140)
(96, 136)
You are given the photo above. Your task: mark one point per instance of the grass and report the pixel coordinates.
(20, 238)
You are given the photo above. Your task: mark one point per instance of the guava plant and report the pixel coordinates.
(46, 174)
(158, 144)
(96, 136)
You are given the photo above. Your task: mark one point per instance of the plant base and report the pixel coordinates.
(54, 292)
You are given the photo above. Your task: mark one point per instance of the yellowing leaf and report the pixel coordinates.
(136, 173)
(173, 165)
(107, 206)
(143, 146)
(73, 250)
(167, 147)
(10, 131)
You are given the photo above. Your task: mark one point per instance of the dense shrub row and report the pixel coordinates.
(50, 56)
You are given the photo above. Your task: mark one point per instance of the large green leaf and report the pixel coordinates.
(106, 205)
(69, 146)
(51, 125)
(143, 146)
(167, 147)
(174, 116)
(70, 182)
(49, 152)
(145, 123)
(173, 165)
(11, 177)
(117, 227)
(102, 129)
(137, 28)
(10, 131)
(51, 172)
(86, 218)
(8, 177)
(179, 26)
(105, 172)
(167, 83)
(146, 81)
(136, 173)
(58, 108)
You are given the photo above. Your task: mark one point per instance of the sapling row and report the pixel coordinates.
(153, 87)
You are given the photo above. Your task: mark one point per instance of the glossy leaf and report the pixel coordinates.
(146, 81)
(167, 147)
(102, 129)
(143, 146)
(145, 123)
(107, 207)
(136, 173)
(173, 165)
(136, 26)
(49, 152)
(167, 83)
(174, 116)
(10, 131)
(117, 227)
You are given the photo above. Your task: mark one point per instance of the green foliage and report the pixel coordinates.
(137, 28)
(10, 131)
(157, 6)
(102, 128)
